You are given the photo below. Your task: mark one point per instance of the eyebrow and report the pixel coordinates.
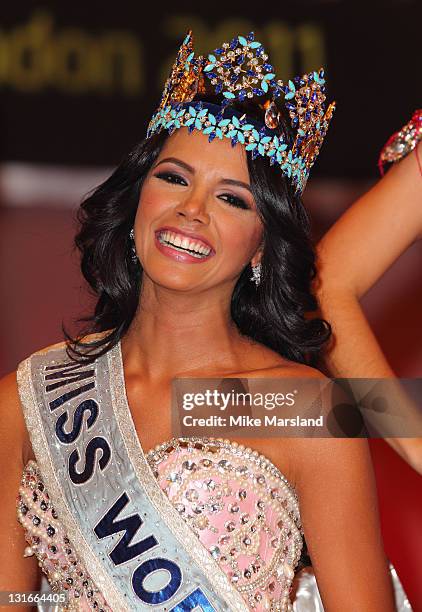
(188, 168)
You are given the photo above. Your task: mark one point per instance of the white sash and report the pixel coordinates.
(133, 543)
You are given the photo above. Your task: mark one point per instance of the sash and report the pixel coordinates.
(132, 541)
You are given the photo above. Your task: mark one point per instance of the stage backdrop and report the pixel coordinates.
(79, 82)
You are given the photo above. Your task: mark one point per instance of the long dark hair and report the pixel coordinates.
(276, 313)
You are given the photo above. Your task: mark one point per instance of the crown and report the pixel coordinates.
(240, 71)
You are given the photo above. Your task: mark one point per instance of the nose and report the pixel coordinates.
(194, 208)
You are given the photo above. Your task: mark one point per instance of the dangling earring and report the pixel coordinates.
(256, 270)
(134, 256)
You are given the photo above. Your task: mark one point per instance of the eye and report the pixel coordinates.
(234, 201)
(171, 177)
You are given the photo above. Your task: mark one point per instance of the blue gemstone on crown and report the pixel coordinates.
(240, 70)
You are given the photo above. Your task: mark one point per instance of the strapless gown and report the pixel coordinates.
(236, 503)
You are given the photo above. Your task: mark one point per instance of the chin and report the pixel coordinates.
(172, 279)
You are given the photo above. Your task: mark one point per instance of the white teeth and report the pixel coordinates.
(184, 243)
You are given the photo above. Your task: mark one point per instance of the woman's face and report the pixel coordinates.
(197, 224)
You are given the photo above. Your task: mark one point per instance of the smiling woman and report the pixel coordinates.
(247, 215)
(120, 514)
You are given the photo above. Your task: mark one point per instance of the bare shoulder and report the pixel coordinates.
(302, 457)
(17, 572)
(14, 437)
(264, 362)
(9, 399)
(289, 453)
(13, 432)
(325, 448)
(292, 368)
(9, 396)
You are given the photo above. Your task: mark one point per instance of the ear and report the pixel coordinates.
(258, 254)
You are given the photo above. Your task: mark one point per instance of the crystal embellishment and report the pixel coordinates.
(239, 71)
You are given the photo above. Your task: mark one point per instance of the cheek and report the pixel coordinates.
(242, 238)
(151, 201)
(157, 198)
(150, 207)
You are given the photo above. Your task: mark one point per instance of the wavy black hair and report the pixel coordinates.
(277, 313)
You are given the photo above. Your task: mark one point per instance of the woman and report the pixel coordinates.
(205, 522)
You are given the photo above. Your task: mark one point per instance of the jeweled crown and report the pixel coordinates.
(239, 71)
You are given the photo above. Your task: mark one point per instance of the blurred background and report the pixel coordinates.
(78, 84)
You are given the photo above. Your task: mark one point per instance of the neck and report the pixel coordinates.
(175, 333)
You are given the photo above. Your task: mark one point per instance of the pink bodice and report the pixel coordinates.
(236, 502)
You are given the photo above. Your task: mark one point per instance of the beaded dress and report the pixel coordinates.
(235, 510)
(236, 502)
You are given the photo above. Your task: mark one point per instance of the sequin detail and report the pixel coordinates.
(236, 502)
(50, 544)
(402, 142)
(242, 510)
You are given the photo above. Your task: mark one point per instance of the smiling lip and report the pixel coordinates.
(181, 256)
(191, 235)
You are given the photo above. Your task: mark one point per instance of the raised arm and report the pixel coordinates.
(374, 231)
(17, 573)
(352, 256)
(336, 489)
